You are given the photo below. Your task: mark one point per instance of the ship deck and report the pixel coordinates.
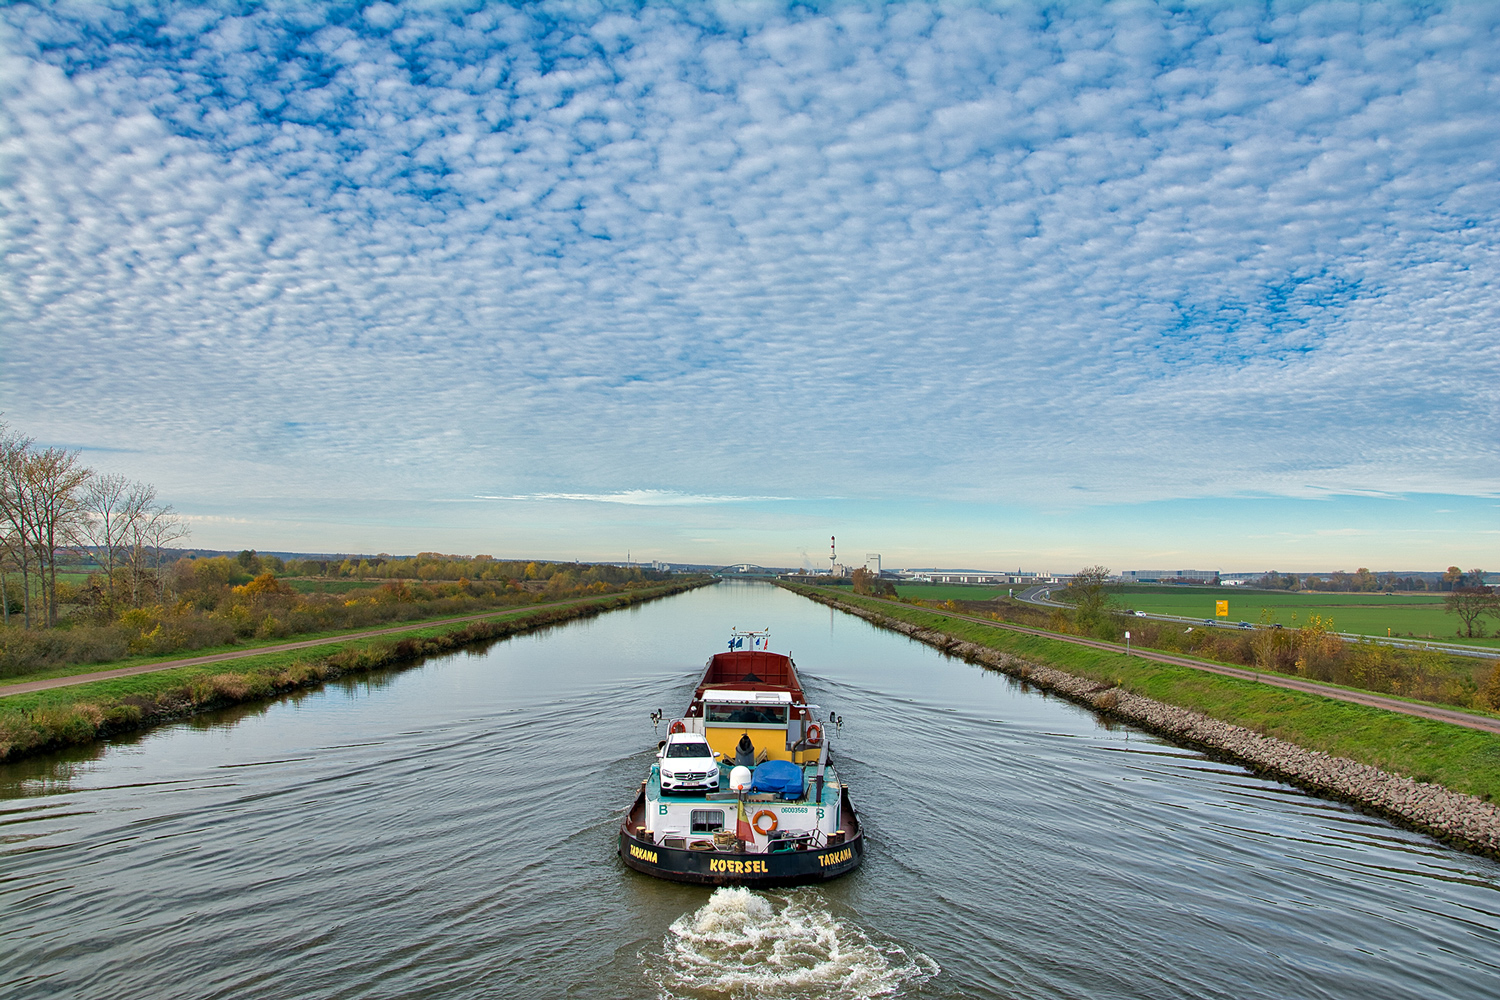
(809, 789)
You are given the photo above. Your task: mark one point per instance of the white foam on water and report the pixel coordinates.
(745, 944)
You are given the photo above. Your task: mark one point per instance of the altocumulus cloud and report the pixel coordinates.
(1130, 252)
(637, 498)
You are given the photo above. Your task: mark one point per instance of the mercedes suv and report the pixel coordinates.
(687, 764)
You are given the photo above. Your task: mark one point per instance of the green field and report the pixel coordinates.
(1414, 615)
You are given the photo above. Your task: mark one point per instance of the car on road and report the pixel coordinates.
(1244, 625)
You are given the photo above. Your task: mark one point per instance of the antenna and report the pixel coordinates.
(833, 555)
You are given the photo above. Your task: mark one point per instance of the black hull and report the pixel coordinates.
(786, 868)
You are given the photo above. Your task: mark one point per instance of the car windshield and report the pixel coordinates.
(689, 750)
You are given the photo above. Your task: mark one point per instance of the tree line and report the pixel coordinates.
(438, 566)
(1365, 582)
(51, 502)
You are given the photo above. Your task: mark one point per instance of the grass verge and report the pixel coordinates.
(1462, 759)
(45, 720)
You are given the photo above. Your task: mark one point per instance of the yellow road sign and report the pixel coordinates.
(1221, 608)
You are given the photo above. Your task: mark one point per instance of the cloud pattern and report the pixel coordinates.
(1094, 254)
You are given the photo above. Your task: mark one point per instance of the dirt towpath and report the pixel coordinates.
(239, 654)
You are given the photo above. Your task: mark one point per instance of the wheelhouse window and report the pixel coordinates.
(694, 749)
(708, 820)
(747, 715)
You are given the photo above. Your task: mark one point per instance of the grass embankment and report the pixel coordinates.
(1309, 650)
(1465, 760)
(44, 720)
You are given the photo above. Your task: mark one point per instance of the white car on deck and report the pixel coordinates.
(687, 764)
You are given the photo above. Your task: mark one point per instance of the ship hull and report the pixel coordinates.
(785, 868)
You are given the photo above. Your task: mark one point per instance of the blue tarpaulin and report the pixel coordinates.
(778, 776)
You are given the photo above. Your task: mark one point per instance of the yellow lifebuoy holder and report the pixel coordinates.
(677, 726)
(815, 733)
(764, 814)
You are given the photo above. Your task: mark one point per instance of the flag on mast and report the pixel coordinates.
(742, 827)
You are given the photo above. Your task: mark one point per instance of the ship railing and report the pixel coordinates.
(726, 841)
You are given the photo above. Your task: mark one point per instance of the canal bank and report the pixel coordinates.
(1453, 816)
(68, 714)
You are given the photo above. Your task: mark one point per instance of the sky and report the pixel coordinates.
(1207, 285)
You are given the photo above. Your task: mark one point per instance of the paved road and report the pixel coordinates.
(1457, 718)
(1042, 596)
(146, 668)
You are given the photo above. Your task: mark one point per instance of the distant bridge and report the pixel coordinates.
(746, 570)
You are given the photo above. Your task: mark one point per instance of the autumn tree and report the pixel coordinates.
(1092, 602)
(1471, 604)
(868, 582)
(265, 586)
(1491, 693)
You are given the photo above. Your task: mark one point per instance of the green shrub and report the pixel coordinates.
(25, 650)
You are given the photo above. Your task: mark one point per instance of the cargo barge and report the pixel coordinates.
(743, 790)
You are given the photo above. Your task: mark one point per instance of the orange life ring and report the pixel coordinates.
(815, 733)
(764, 813)
(677, 726)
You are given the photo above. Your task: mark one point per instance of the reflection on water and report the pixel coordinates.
(449, 831)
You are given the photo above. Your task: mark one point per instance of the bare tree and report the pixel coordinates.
(111, 504)
(157, 527)
(163, 527)
(39, 497)
(53, 481)
(14, 450)
(9, 547)
(48, 499)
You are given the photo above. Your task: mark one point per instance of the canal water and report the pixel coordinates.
(449, 831)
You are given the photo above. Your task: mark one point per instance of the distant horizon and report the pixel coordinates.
(328, 556)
